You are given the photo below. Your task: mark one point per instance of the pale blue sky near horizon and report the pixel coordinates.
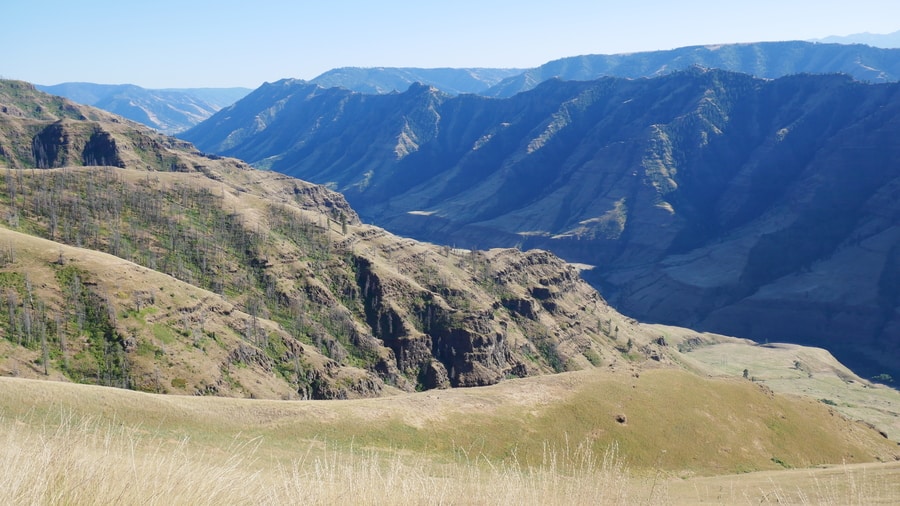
(224, 43)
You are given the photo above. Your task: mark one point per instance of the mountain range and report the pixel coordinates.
(756, 207)
(768, 60)
(391, 188)
(175, 110)
(167, 110)
(132, 260)
(129, 259)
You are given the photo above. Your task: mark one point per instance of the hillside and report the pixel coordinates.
(167, 110)
(45, 131)
(769, 60)
(706, 199)
(177, 272)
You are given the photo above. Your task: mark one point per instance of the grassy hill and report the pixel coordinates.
(791, 369)
(255, 283)
(558, 439)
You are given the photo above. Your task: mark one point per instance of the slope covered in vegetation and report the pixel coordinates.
(227, 280)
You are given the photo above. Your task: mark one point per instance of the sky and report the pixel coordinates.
(226, 43)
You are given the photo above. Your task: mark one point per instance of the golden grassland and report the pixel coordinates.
(590, 437)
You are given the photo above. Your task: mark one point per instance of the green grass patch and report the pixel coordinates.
(593, 357)
(12, 280)
(163, 333)
(141, 315)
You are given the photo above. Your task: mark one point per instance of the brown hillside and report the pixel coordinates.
(289, 267)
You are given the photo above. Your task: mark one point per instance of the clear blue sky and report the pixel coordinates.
(219, 43)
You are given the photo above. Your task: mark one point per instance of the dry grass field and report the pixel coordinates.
(861, 484)
(548, 440)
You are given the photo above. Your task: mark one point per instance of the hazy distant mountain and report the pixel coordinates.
(167, 110)
(175, 110)
(885, 40)
(762, 59)
(753, 207)
(388, 79)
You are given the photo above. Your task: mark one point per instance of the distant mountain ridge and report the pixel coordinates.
(761, 59)
(167, 110)
(711, 199)
(884, 40)
(769, 60)
(390, 79)
(175, 110)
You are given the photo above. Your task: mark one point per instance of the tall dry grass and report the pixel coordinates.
(846, 486)
(564, 477)
(89, 461)
(64, 459)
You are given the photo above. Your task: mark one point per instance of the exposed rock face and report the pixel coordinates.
(760, 208)
(67, 143)
(446, 330)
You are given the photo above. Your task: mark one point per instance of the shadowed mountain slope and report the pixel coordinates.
(175, 110)
(752, 207)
